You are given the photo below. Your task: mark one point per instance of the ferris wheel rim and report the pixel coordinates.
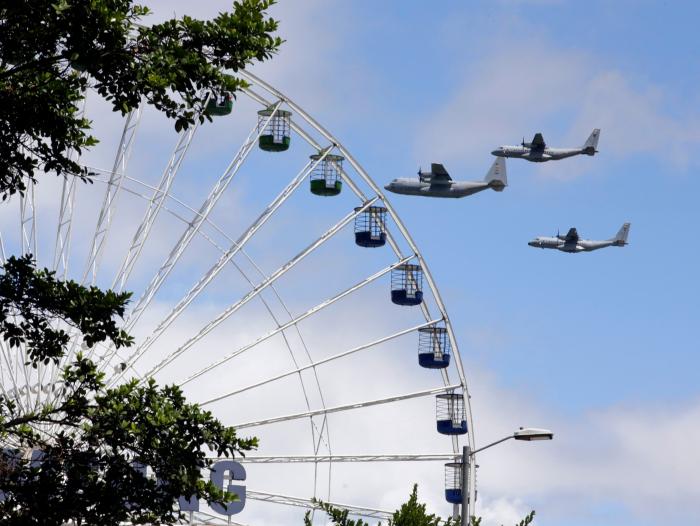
(298, 110)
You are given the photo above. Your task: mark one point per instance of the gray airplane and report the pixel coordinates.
(538, 152)
(572, 243)
(438, 183)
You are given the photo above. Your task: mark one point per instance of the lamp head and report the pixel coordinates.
(533, 433)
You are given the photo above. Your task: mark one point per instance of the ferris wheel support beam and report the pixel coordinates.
(104, 220)
(3, 256)
(225, 258)
(28, 220)
(348, 407)
(12, 375)
(65, 227)
(404, 231)
(302, 459)
(65, 212)
(372, 513)
(155, 203)
(197, 221)
(293, 321)
(260, 287)
(320, 362)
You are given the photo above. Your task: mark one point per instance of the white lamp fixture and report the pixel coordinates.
(533, 433)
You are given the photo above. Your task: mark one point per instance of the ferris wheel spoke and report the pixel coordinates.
(194, 226)
(225, 258)
(12, 374)
(349, 407)
(108, 356)
(313, 365)
(104, 220)
(20, 377)
(257, 268)
(262, 286)
(305, 459)
(64, 225)
(287, 500)
(294, 321)
(155, 203)
(3, 256)
(28, 220)
(272, 287)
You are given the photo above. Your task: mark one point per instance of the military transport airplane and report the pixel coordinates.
(438, 183)
(572, 243)
(538, 152)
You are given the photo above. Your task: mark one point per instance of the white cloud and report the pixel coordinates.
(641, 457)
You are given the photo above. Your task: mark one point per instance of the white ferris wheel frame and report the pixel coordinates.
(161, 199)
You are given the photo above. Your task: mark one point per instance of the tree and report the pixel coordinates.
(85, 468)
(411, 513)
(77, 459)
(51, 49)
(87, 444)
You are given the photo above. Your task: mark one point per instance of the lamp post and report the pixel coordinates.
(527, 434)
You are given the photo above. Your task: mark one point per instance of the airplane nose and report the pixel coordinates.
(497, 152)
(532, 243)
(387, 186)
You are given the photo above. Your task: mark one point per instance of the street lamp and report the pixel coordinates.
(528, 434)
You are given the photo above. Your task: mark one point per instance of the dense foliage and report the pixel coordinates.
(75, 458)
(50, 50)
(411, 513)
(80, 455)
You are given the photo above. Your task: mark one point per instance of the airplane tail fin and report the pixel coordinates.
(591, 145)
(620, 238)
(496, 176)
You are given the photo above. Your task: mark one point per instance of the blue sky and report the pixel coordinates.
(608, 335)
(600, 347)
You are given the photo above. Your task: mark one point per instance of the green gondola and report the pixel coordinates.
(219, 106)
(325, 177)
(275, 136)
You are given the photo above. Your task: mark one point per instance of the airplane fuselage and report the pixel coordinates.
(452, 189)
(540, 156)
(582, 245)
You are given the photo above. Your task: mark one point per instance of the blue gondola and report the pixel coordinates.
(407, 285)
(451, 415)
(452, 427)
(433, 347)
(370, 227)
(453, 482)
(453, 496)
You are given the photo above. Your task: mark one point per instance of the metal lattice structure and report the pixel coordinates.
(228, 302)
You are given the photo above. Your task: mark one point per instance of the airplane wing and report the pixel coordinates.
(571, 236)
(538, 142)
(439, 174)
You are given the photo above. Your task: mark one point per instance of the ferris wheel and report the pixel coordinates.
(274, 282)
